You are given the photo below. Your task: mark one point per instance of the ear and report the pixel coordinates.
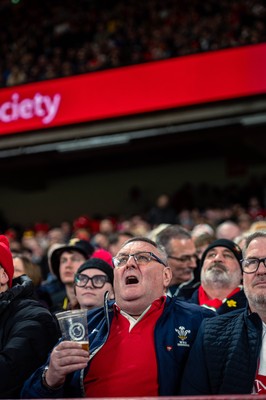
(167, 276)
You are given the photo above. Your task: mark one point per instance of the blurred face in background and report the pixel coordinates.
(182, 260)
(18, 267)
(70, 261)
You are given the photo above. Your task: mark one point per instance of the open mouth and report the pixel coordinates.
(131, 280)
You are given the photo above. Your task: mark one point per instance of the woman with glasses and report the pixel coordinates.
(93, 279)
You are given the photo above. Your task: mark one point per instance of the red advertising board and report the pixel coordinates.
(178, 82)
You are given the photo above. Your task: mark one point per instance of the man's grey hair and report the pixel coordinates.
(160, 249)
(250, 238)
(172, 232)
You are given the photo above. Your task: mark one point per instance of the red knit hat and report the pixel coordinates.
(103, 255)
(6, 259)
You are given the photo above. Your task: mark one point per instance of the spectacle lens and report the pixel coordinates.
(97, 281)
(251, 265)
(142, 258)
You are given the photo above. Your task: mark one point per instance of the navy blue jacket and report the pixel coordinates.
(174, 333)
(225, 355)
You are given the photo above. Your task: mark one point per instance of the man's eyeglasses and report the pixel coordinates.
(141, 258)
(185, 259)
(251, 265)
(97, 281)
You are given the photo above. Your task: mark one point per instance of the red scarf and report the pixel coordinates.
(215, 303)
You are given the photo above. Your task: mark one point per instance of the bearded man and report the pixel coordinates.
(221, 278)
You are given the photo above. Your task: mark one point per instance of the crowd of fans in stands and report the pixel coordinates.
(34, 240)
(48, 39)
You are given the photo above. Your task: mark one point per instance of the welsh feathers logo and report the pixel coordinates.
(182, 333)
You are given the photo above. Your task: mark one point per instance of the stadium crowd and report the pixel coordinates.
(48, 39)
(171, 246)
(103, 231)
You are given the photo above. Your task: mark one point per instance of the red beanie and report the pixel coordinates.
(103, 255)
(6, 259)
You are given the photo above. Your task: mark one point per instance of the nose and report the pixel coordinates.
(89, 283)
(218, 257)
(131, 262)
(261, 268)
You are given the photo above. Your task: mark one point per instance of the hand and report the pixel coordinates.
(65, 358)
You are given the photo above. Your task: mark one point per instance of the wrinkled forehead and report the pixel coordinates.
(135, 247)
(256, 246)
(220, 250)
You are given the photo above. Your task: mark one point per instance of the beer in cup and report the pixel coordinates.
(74, 326)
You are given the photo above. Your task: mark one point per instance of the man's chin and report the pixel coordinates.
(131, 294)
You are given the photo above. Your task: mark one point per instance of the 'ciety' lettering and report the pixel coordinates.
(41, 106)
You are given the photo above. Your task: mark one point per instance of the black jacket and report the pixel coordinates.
(233, 303)
(27, 334)
(224, 357)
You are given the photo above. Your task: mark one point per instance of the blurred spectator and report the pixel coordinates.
(153, 234)
(106, 226)
(258, 226)
(55, 235)
(244, 221)
(162, 212)
(227, 230)
(16, 76)
(100, 240)
(66, 227)
(82, 225)
(138, 226)
(201, 229)
(24, 266)
(202, 242)
(117, 239)
(57, 39)
(181, 256)
(241, 239)
(52, 284)
(255, 209)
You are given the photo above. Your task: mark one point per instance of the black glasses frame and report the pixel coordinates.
(257, 262)
(151, 255)
(93, 280)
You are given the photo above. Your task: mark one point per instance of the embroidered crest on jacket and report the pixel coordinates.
(183, 336)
